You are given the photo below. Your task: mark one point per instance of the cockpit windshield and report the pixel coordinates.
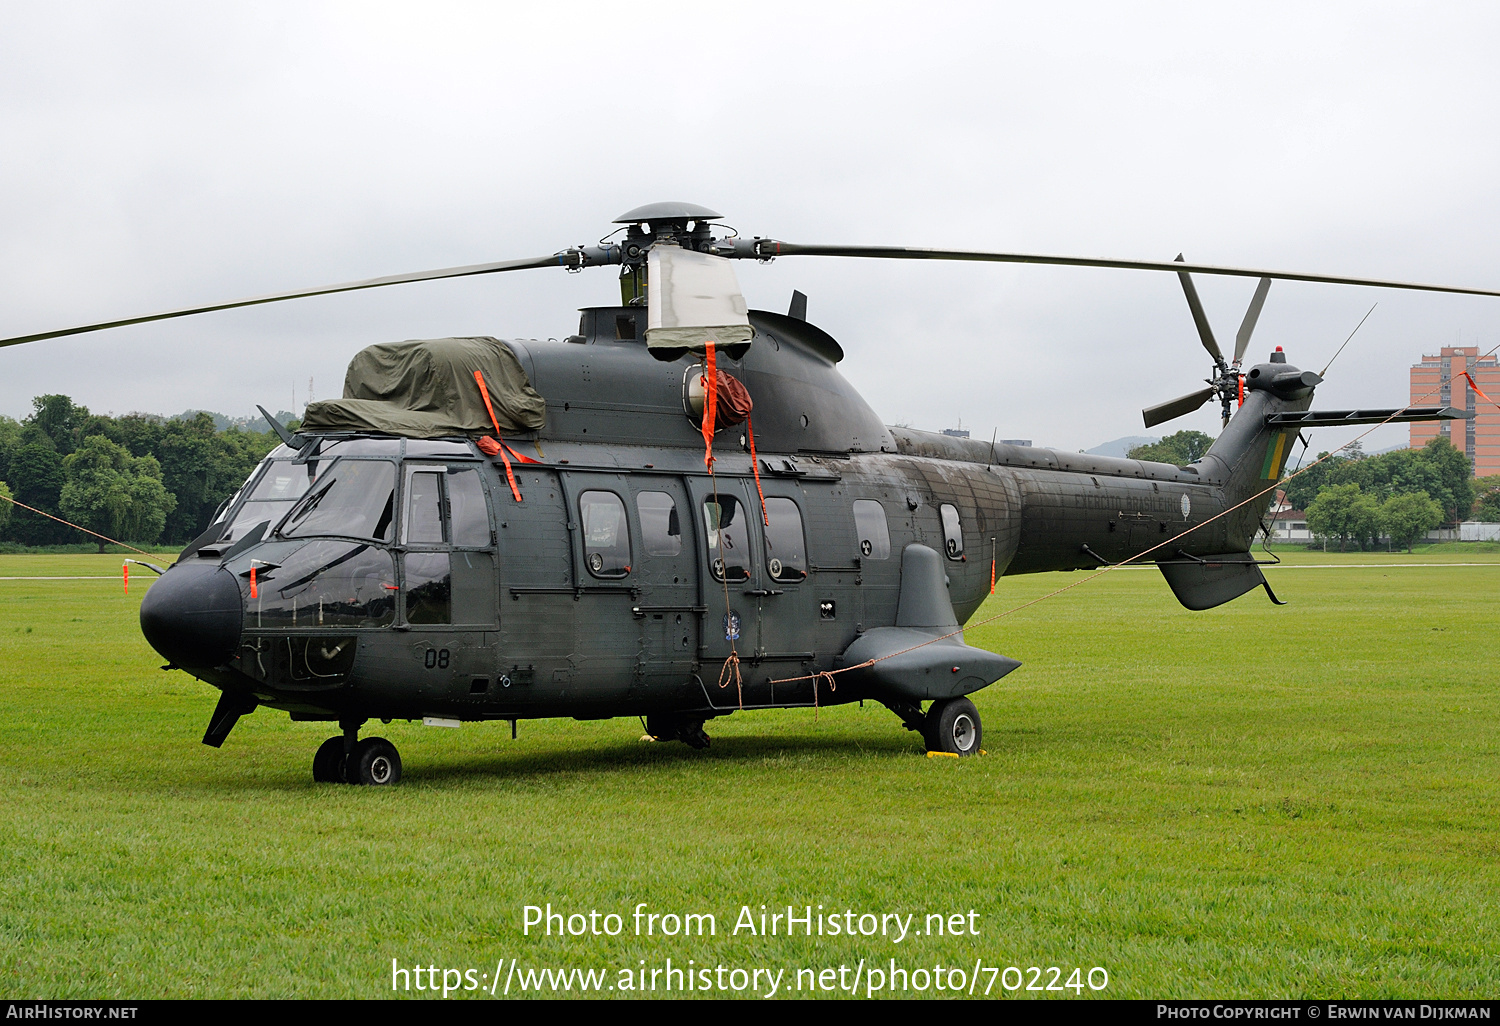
(352, 499)
(279, 487)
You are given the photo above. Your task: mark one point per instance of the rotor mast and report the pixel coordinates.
(679, 224)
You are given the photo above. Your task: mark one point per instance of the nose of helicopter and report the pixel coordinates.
(192, 614)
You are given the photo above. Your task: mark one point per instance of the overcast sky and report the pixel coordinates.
(159, 155)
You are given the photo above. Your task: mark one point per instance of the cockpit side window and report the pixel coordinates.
(444, 514)
(429, 587)
(470, 516)
(424, 523)
(445, 505)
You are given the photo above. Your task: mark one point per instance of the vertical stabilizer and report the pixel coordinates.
(1250, 456)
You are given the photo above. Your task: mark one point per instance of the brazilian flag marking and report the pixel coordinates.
(1277, 450)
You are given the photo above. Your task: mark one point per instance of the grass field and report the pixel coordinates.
(1254, 801)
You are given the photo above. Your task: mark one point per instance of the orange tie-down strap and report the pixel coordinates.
(710, 405)
(497, 446)
(492, 447)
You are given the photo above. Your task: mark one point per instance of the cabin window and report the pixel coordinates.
(353, 498)
(429, 586)
(953, 532)
(606, 535)
(728, 538)
(661, 529)
(326, 584)
(786, 551)
(870, 526)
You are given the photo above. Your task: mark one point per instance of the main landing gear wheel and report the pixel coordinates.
(373, 761)
(328, 764)
(952, 726)
(674, 728)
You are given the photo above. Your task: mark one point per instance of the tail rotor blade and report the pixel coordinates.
(1163, 412)
(1242, 340)
(1199, 317)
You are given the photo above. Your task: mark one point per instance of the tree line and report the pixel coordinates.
(1358, 499)
(138, 478)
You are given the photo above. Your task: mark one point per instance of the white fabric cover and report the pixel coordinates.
(693, 299)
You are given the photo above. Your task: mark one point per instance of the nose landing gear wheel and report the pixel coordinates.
(952, 726)
(328, 764)
(373, 761)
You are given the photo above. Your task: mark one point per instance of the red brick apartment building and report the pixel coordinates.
(1478, 438)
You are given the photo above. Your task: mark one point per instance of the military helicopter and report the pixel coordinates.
(682, 511)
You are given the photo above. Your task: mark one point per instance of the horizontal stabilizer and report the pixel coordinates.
(1213, 580)
(1335, 418)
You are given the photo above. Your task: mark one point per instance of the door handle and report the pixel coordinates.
(762, 591)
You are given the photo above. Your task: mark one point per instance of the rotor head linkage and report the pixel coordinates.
(680, 224)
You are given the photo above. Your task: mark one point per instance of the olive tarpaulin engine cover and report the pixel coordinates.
(425, 388)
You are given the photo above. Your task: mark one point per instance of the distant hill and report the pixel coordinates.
(1120, 446)
(223, 423)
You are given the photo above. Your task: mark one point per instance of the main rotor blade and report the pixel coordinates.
(556, 260)
(766, 248)
(1247, 327)
(1199, 317)
(1163, 412)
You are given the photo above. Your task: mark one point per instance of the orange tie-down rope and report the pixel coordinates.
(79, 527)
(1115, 566)
(765, 517)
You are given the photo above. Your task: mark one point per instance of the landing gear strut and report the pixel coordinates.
(950, 725)
(676, 728)
(346, 760)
